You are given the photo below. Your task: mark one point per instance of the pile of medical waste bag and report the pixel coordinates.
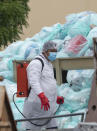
(74, 39)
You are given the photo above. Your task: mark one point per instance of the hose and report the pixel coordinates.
(27, 118)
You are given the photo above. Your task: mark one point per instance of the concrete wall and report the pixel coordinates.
(49, 12)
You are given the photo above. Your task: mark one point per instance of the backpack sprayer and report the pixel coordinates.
(22, 81)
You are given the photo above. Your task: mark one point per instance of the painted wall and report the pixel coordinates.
(49, 12)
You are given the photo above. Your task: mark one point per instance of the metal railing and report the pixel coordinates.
(55, 116)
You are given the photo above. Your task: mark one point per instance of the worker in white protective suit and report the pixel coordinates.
(42, 98)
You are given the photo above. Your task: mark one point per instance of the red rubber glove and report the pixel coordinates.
(60, 99)
(44, 101)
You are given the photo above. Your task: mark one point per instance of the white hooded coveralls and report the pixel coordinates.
(40, 81)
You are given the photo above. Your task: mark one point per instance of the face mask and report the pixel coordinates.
(52, 56)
